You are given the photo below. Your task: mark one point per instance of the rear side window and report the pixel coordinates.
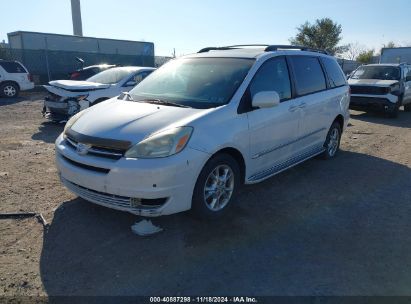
(12, 67)
(334, 72)
(272, 76)
(309, 76)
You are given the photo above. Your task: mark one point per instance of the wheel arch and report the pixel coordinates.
(10, 81)
(340, 120)
(238, 157)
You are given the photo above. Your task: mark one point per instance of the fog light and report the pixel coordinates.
(135, 202)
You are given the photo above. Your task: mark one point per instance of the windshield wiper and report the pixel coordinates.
(163, 102)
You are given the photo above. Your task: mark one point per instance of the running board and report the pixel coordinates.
(258, 177)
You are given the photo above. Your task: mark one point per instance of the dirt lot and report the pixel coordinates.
(339, 227)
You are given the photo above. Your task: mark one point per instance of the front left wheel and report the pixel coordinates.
(216, 187)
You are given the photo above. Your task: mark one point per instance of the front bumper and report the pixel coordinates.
(373, 102)
(118, 184)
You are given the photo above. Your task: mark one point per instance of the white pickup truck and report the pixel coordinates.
(384, 87)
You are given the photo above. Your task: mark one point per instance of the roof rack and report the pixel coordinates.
(271, 48)
(229, 47)
(267, 48)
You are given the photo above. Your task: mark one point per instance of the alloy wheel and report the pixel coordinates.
(333, 142)
(9, 91)
(219, 187)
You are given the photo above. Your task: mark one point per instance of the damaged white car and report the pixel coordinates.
(67, 97)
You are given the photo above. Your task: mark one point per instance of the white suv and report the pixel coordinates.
(191, 133)
(14, 78)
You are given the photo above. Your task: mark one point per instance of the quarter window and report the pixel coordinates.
(309, 76)
(272, 76)
(12, 67)
(334, 72)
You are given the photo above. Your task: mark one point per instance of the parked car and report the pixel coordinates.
(67, 97)
(86, 72)
(14, 78)
(381, 87)
(202, 125)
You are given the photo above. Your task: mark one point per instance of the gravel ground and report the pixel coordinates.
(338, 227)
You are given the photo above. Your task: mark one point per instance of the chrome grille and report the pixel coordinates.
(357, 89)
(98, 197)
(111, 200)
(97, 151)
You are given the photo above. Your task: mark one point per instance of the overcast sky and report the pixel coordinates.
(188, 26)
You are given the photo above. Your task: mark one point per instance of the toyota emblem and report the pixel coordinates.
(82, 149)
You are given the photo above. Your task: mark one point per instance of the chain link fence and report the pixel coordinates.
(46, 65)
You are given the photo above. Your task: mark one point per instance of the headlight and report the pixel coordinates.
(72, 120)
(163, 144)
(394, 89)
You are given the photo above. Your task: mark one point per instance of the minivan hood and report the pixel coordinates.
(372, 82)
(75, 85)
(132, 121)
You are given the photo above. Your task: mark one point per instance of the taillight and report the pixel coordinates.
(29, 77)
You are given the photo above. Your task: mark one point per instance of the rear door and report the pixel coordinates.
(314, 103)
(272, 131)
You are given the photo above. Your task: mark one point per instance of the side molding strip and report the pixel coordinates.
(291, 162)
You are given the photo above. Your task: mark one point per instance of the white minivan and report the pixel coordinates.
(195, 130)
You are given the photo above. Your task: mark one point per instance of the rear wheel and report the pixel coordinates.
(9, 90)
(216, 187)
(332, 142)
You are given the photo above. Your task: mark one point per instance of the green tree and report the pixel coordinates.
(323, 34)
(365, 56)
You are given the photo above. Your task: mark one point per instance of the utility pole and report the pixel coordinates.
(76, 16)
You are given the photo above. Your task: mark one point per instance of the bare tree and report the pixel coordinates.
(353, 50)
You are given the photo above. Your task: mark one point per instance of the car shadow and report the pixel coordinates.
(11, 101)
(48, 132)
(339, 227)
(403, 120)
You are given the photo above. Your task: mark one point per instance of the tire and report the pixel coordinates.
(213, 197)
(332, 141)
(9, 90)
(393, 113)
(407, 107)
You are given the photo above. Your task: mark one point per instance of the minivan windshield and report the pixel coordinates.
(194, 82)
(111, 76)
(377, 72)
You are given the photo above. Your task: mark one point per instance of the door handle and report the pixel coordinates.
(293, 108)
(302, 105)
